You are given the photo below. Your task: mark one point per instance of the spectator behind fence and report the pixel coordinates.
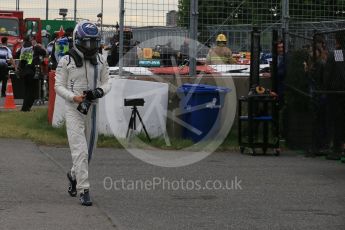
(220, 54)
(183, 54)
(315, 68)
(281, 72)
(335, 81)
(280, 84)
(113, 54)
(5, 54)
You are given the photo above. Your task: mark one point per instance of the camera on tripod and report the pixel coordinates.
(134, 102)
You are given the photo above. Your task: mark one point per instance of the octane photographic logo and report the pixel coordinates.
(171, 108)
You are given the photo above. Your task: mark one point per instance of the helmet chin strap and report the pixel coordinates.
(75, 54)
(92, 58)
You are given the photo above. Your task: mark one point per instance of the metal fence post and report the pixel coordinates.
(47, 9)
(274, 63)
(102, 19)
(193, 34)
(75, 10)
(122, 18)
(285, 24)
(255, 59)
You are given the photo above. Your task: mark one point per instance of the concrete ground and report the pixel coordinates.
(286, 192)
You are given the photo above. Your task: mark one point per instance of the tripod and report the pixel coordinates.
(132, 122)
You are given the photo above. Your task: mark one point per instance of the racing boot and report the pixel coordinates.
(85, 198)
(72, 187)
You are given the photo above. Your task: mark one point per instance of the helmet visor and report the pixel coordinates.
(90, 43)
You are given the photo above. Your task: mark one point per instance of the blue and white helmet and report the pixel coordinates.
(87, 38)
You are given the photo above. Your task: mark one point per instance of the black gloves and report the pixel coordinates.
(84, 106)
(91, 95)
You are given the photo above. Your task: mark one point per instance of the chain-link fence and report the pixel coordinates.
(298, 23)
(161, 30)
(170, 25)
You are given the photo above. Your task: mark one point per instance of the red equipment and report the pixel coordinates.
(182, 70)
(16, 28)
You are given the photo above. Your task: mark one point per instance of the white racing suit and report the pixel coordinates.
(71, 81)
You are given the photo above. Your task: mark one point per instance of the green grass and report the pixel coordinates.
(34, 126)
(108, 141)
(31, 125)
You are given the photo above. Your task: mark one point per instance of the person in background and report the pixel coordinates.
(5, 57)
(220, 54)
(281, 72)
(335, 81)
(50, 45)
(45, 38)
(31, 55)
(183, 54)
(279, 87)
(61, 46)
(113, 54)
(318, 104)
(139, 50)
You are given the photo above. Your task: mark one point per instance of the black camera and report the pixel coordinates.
(84, 106)
(134, 102)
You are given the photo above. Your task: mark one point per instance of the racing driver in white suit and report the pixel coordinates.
(82, 76)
